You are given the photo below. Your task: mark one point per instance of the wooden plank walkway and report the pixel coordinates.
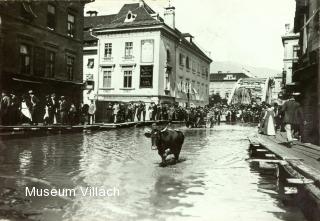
(7, 131)
(301, 157)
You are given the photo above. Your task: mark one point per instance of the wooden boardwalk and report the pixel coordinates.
(10, 131)
(301, 161)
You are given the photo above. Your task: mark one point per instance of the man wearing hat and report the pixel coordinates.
(53, 107)
(34, 108)
(289, 109)
(63, 110)
(4, 108)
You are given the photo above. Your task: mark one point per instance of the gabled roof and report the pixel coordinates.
(144, 18)
(223, 76)
(95, 21)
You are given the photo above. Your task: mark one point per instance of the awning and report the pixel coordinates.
(27, 81)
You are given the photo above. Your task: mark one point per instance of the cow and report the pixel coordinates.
(166, 141)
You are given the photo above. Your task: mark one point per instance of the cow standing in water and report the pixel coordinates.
(166, 141)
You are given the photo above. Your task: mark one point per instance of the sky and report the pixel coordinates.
(247, 32)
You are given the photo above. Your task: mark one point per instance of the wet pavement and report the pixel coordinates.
(212, 181)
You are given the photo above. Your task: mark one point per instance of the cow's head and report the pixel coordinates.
(155, 136)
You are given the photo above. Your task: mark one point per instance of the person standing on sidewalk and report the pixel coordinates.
(91, 112)
(34, 108)
(64, 107)
(289, 109)
(4, 108)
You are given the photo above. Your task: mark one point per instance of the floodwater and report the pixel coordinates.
(212, 181)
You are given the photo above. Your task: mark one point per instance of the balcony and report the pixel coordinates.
(107, 59)
(128, 58)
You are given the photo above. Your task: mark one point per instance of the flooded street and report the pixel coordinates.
(212, 181)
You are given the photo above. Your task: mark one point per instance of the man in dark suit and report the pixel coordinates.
(4, 109)
(289, 109)
(64, 107)
(34, 108)
(53, 107)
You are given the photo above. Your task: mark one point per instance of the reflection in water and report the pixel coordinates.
(213, 181)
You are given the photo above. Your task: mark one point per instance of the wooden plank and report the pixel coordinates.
(262, 150)
(270, 155)
(281, 162)
(299, 181)
(290, 190)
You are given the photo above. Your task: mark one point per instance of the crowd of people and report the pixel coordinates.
(287, 117)
(30, 109)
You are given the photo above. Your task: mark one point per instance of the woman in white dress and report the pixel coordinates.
(268, 122)
(25, 109)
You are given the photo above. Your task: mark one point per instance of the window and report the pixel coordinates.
(295, 51)
(50, 63)
(128, 50)
(51, 17)
(107, 79)
(167, 79)
(127, 79)
(181, 59)
(71, 26)
(168, 56)
(25, 59)
(39, 61)
(107, 50)
(187, 62)
(90, 64)
(70, 67)
(193, 66)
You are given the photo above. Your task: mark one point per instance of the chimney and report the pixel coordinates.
(287, 28)
(92, 13)
(169, 16)
(141, 3)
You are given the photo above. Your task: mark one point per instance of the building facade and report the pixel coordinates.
(277, 88)
(306, 71)
(290, 41)
(224, 83)
(41, 47)
(139, 56)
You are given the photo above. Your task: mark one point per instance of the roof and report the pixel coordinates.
(224, 76)
(88, 37)
(95, 21)
(144, 18)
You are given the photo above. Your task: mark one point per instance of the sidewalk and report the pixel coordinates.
(304, 158)
(9, 131)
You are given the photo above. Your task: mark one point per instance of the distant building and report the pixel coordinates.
(277, 87)
(306, 72)
(41, 47)
(224, 83)
(135, 55)
(290, 41)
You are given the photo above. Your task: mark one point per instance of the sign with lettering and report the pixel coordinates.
(147, 48)
(146, 76)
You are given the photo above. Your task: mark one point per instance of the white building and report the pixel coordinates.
(290, 43)
(277, 87)
(138, 56)
(223, 83)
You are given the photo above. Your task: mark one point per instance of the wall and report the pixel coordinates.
(117, 92)
(289, 57)
(222, 88)
(16, 30)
